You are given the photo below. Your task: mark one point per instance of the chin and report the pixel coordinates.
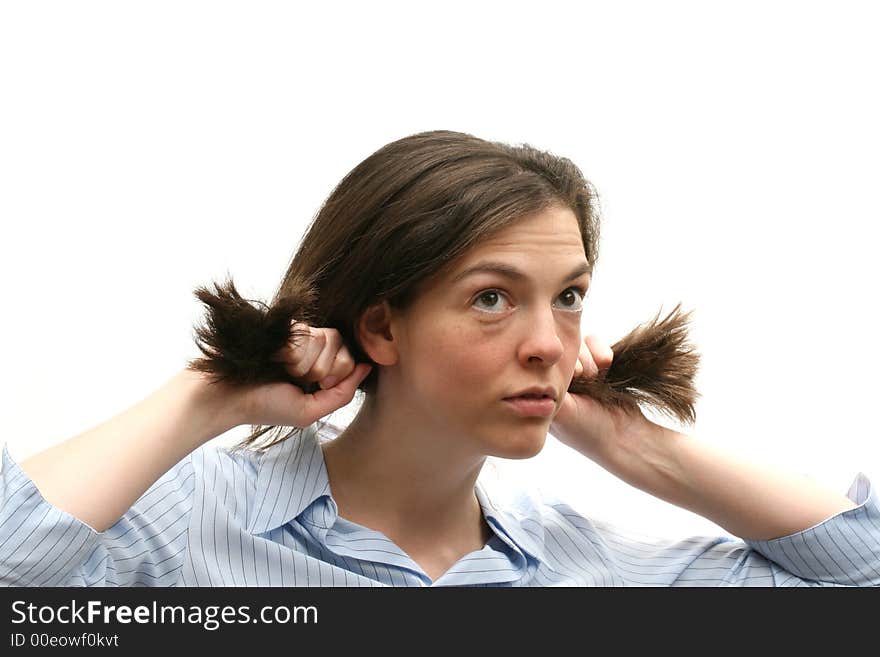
(524, 443)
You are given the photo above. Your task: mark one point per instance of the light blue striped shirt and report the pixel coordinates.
(219, 518)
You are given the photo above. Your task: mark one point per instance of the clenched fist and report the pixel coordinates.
(317, 354)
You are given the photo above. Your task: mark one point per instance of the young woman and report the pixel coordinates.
(444, 277)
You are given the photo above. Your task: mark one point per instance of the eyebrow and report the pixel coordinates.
(503, 269)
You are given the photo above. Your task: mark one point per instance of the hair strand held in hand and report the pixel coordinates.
(653, 364)
(239, 339)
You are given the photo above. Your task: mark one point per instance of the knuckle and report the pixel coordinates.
(345, 360)
(319, 373)
(294, 349)
(301, 333)
(319, 336)
(297, 366)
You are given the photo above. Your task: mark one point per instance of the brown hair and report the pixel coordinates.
(397, 220)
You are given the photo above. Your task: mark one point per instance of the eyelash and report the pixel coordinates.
(577, 288)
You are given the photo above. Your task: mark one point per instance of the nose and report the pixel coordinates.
(542, 343)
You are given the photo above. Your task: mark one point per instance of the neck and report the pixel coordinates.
(407, 479)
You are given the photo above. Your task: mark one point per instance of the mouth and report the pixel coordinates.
(532, 405)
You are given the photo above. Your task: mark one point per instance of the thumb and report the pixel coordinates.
(324, 402)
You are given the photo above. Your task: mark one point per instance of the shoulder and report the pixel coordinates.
(562, 523)
(213, 463)
(219, 467)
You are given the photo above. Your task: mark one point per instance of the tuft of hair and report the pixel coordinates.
(653, 364)
(239, 340)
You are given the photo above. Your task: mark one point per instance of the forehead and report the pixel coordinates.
(547, 236)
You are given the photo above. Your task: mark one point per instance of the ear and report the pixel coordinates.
(376, 331)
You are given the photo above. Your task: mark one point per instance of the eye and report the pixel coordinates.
(492, 296)
(572, 302)
(578, 300)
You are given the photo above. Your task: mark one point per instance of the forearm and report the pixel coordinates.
(749, 500)
(97, 475)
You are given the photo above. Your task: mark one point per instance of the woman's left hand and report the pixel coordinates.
(587, 426)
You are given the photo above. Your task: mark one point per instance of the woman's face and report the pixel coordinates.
(475, 337)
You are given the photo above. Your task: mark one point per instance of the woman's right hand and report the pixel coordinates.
(320, 356)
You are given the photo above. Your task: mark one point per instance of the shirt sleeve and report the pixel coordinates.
(843, 550)
(42, 545)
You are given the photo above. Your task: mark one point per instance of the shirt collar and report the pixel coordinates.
(292, 474)
(510, 518)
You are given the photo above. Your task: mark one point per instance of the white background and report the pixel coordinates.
(148, 148)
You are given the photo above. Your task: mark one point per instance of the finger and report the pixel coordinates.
(600, 351)
(589, 367)
(578, 367)
(323, 402)
(343, 365)
(298, 335)
(300, 355)
(323, 364)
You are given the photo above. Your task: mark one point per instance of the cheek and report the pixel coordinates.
(465, 362)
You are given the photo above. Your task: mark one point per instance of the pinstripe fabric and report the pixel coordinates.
(223, 519)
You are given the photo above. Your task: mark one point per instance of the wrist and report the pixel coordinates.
(646, 458)
(214, 405)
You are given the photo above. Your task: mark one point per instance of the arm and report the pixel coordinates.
(113, 504)
(841, 551)
(793, 531)
(749, 500)
(122, 457)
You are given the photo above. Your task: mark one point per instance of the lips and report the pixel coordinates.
(531, 406)
(535, 392)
